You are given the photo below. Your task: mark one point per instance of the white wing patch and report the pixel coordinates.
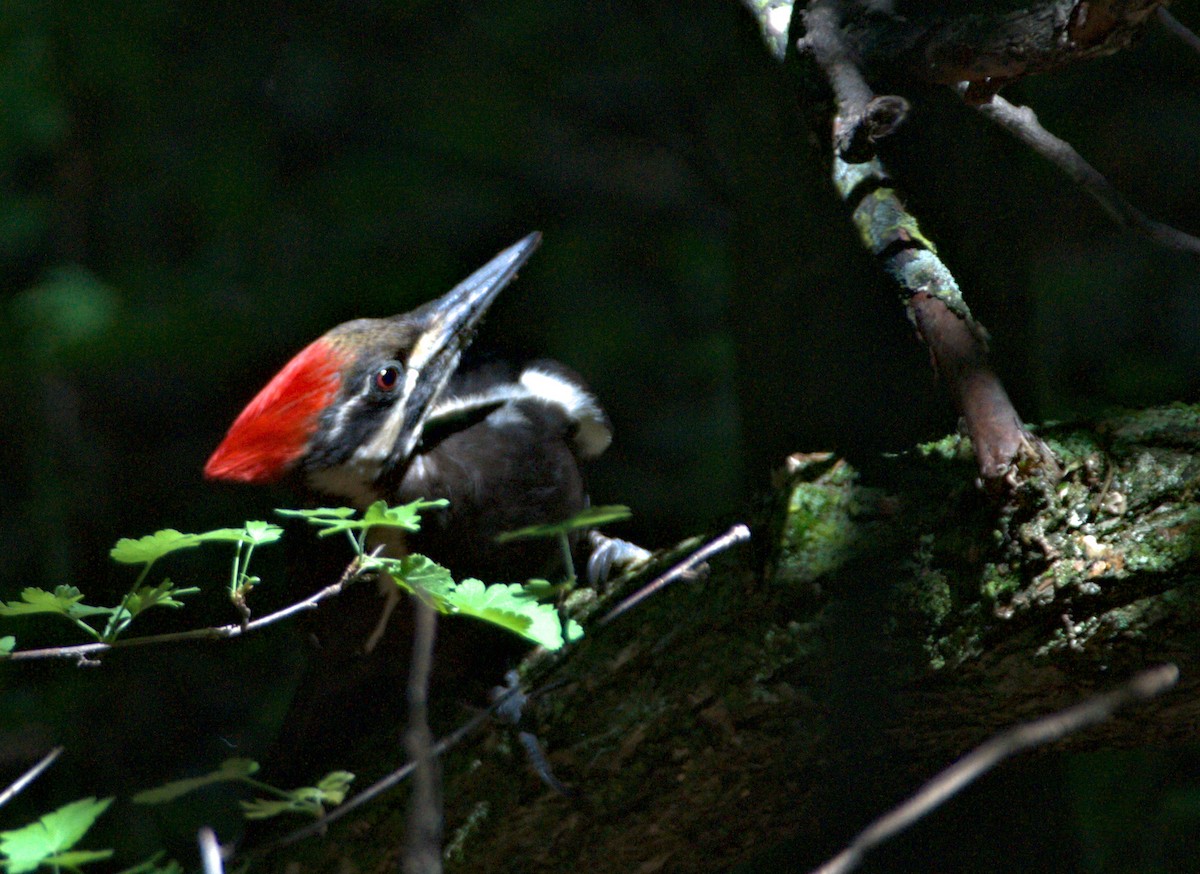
(579, 405)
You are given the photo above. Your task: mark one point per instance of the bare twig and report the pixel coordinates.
(862, 116)
(84, 651)
(736, 534)
(30, 775)
(983, 758)
(1178, 28)
(423, 854)
(1021, 122)
(210, 851)
(389, 782)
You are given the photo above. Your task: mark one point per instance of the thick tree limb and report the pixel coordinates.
(902, 620)
(862, 117)
(956, 342)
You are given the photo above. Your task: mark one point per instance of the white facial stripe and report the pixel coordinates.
(554, 389)
(382, 443)
(460, 406)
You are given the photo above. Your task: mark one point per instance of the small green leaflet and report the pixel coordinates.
(152, 547)
(162, 595)
(7, 644)
(334, 520)
(48, 841)
(589, 517)
(230, 769)
(416, 574)
(329, 792)
(63, 600)
(511, 606)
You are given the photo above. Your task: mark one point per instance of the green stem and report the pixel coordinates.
(112, 628)
(267, 787)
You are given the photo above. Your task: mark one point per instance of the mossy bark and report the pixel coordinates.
(883, 621)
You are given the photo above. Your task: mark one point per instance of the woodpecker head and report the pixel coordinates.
(349, 410)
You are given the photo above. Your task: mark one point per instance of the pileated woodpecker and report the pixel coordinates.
(390, 409)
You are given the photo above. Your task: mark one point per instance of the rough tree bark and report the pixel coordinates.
(885, 621)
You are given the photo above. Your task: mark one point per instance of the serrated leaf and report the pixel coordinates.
(589, 517)
(229, 770)
(330, 791)
(511, 606)
(415, 573)
(162, 595)
(334, 520)
(320, 513)
(252, 532)
(75, 858)
(152, 547)
(334, 786)
(52, 834)
(64, 600)
(263, 808)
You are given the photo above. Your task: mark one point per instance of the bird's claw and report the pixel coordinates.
(609, 554)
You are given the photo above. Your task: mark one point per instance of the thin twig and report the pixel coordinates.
(737, 534)
(29, 776)
(210, 851)
(383, 785)
(423, 853)
(983, 758)
(1022, 122)
(83, 652)
(1178, 28)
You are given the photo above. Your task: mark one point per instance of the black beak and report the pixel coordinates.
(447, 327)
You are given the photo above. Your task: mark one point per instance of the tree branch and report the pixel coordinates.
(1177, 27)
(83, 653)
(1010, 742)
(1022, 122)
(862, 117)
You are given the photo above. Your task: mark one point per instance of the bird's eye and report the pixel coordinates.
(387, 378)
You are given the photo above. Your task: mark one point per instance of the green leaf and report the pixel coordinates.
(151, 547)
(42, 841)
(334, 520)
(511, 606)
(252, 532)
(154, 546)
(589, 517)
(416, 573)
(162, 595)
(7, 644)
(312, 800)
(64, 600)
(320, 515)
(230, 770)
(75, 858)
(334, 786)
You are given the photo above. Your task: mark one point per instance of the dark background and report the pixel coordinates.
(193, 191)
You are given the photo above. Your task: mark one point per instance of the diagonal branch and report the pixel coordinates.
(1178, 29)
(862, 117)
(1018, 739)
(956, 342)
(1022, 122)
